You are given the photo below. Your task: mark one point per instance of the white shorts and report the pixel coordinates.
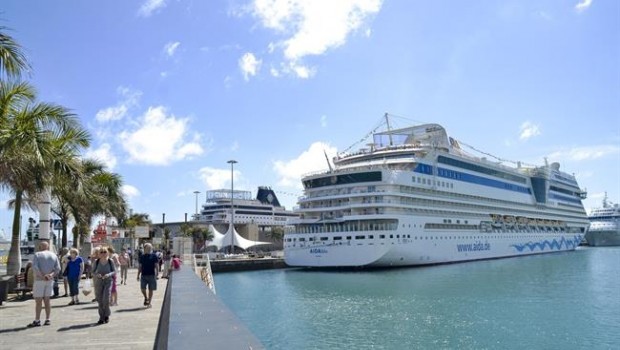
(42, 289)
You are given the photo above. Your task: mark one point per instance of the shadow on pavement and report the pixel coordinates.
(90, 308)
(13, 329)
(77, 326)
(131, 310)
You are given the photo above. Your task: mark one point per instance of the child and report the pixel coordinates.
(176, 262)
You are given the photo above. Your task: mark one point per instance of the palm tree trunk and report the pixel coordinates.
(14, 263)
(63, 222)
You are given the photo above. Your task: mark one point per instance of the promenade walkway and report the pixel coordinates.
(132, 326)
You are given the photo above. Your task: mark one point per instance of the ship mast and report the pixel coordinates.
(387, 121)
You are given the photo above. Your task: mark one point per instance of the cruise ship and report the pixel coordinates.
(604, 227)
(415, 197)
(264, 210)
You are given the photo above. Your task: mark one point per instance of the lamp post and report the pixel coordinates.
(163, 231)
(232, 162)
(196, 193)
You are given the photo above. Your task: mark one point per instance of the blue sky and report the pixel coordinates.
(173, 89)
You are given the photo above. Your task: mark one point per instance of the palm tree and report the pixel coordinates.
(200, 235)
(12, 59)
(276, 233)
(133, 220)
(98, 192)
(95, 192)
(37, 142)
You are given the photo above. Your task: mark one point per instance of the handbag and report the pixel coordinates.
(87, 287)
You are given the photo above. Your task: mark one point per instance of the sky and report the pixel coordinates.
(171, 90)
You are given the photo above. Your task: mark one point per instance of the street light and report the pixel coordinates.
(232, 207)
(196, 193)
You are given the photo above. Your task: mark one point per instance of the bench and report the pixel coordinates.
(21, 284)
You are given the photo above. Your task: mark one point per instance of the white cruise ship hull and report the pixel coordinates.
(603, 237)
(427, 249)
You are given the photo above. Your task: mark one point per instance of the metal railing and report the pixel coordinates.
(202, 267)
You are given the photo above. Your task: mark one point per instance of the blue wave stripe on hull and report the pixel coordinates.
(553, 245)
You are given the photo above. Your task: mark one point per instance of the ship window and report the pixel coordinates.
(337, 238)
(391, 236)
(310, 239)
(397, 236)
(360, 237)
(324, 238)
(349, 237)
(381, 236)
(371, 237)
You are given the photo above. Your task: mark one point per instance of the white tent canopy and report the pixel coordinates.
(225, 240)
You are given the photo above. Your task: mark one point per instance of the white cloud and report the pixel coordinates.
(160, 140)
(217, 179)
(249, 65)
(583, 5)
(103, 154)
(528, 130)
(312, 27)
(111, 113)
(586, 153)
(323, 121)
(150, 6)
(171, 47)
(129, 99)
(290, 172)
(130, 191)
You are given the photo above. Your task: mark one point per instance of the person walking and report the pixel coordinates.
(46, 267)
(75, 269)
(103, 271)
(124, 260)
(64, 259)
(117, 265)
(147, 273)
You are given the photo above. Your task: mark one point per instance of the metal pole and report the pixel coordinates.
(196, 193)
(163, 231)
(232, 206)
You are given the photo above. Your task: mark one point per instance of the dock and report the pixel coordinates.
(131, 326)
(184, 314)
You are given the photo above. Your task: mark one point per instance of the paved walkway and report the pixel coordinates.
(132, 326)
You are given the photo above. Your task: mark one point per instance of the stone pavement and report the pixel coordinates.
(131, 326)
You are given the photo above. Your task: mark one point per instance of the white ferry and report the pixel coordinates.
(414, 197)
(264, 210)
(604, 227)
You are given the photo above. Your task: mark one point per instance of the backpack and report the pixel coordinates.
(109, 262)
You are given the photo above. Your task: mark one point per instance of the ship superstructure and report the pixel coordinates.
(264, 210)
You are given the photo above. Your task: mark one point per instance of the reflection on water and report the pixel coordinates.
(563, 300)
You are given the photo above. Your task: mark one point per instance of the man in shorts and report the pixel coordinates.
(46, 267)
(147, 273)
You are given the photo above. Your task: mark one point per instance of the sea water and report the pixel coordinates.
(567, 300)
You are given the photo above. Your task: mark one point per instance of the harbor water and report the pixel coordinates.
(565, 300)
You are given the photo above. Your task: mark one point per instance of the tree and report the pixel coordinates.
(133, 220)
(276, 233)
(12, 59)
(198, 234)
(37, 141)
(95, 191)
